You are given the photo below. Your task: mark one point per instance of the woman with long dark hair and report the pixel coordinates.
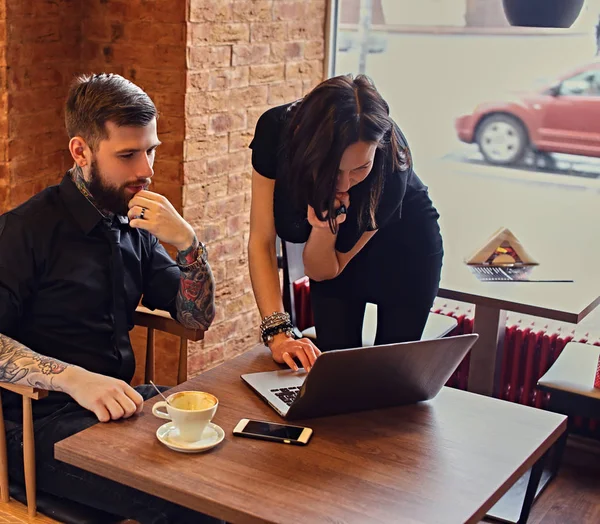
(333, 170)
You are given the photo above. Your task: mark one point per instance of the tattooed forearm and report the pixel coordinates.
(196, 298)
(20, 365)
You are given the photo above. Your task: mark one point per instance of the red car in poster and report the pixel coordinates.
(561, 117)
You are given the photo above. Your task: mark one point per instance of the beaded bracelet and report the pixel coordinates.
(275, 323)
(268, 334)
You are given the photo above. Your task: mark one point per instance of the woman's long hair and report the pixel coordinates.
(334, 115)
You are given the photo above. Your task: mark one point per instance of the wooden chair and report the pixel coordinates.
(153, 321)
(290, 261)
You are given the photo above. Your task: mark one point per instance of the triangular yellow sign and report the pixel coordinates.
(502, 249)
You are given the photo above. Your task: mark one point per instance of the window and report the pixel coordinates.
(583, 84)
(458, 77)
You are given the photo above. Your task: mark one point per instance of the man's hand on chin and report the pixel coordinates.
(154, 213)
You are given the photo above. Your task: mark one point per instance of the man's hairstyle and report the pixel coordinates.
(95, 99)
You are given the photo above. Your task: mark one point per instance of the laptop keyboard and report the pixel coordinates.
(287, 395)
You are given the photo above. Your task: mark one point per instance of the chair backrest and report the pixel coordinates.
(290, 261)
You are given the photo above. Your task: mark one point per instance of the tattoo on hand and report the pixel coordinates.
(196, 298)
(187, 256)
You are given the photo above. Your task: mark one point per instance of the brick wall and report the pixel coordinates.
(243, 57)
(4, 173)
(212, 67)
(41, 40)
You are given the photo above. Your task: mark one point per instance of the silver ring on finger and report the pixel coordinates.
(142, 213)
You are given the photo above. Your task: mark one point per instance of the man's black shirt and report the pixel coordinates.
(56, 288)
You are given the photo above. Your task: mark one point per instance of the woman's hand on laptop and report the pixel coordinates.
(284, 350)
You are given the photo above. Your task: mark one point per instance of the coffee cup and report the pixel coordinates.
(190, 412)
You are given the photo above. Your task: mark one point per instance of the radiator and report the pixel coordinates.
(530, 348)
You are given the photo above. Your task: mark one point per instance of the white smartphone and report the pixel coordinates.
(273, 431)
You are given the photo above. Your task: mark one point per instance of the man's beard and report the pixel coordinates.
(108, 198)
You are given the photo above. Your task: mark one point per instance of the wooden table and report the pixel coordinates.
(563, 301)
(445, 461)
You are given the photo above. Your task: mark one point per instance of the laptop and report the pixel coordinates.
(349, 380)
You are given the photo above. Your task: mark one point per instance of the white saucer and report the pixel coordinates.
(168, 434)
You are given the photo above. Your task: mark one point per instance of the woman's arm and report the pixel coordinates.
(262, 260)
(321, 260)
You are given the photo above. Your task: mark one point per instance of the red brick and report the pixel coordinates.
(239, 161)
(170, 148)
(234, 269)
(203, 147)
(227, 206)
(168, 171)
(306, 70)
(306, 30)
(207, 102)
(240, 77)
(248, 96)
(42, 53)
(247, 54)
(314, 50)
(218, 165)
(272, 32)
(194, 171)
(212, 231)
(289, 10)
(197, 80)
(203, 360)
(169, 103)
(309, 85)
(237, 224)
(240, 140)
(29, 124)
(284, 51)
(4, 199)
(196, 126)
(219, 79)
(198, 34)
(223, 123)
(169, 56)
(25, 100)
(198, 194)
(39, 76)
(229, 33)
(158, 80)
(150, 32)
(173, 192)
(285, 92)
(316, 10)
(254, 10)
(209, 57)
(267, 74)
(97, 28)
(238, 305)
(239, 182)
(210, 10)
(171, 128)
(33, 31)
(194, 195)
